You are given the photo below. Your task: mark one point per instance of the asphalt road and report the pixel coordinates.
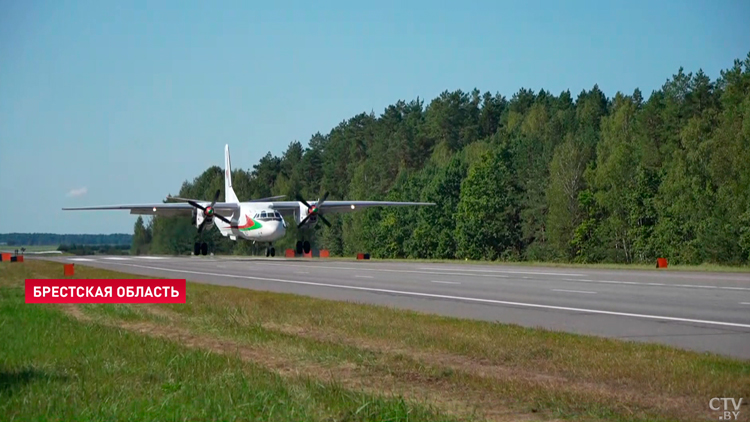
(694, 310)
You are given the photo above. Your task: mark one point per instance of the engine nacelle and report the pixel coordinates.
(303, 211)
(200, 216)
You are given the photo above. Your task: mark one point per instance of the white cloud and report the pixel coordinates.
(78, 192)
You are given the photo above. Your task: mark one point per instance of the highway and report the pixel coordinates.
(694, 310)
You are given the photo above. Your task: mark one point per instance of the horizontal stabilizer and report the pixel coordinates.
(270, 198)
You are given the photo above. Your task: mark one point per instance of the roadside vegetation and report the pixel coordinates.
(231, 353)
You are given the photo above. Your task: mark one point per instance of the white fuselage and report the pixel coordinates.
(255, 221)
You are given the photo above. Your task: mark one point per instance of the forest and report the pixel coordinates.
(530, 177)
(53, 239)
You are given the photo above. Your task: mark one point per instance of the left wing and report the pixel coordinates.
(224, 208)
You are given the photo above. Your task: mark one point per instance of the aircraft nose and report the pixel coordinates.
(280, 228)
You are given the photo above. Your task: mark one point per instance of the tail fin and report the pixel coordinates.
(229, 195)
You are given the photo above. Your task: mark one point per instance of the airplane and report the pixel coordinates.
(258, 220)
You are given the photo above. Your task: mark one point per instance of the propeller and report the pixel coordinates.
(313, 210)
(209, 211)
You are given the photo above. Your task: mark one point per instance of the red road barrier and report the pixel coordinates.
(69, 269)
(661, 262)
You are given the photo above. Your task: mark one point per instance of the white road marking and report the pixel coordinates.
(744, 303)
(116, 258)
(437, 296)
(363, 276)
(510, 272)
(446, 282)
(633, 283)
(573, 291)
(636, 283)
(390, 271)
(81, 259)
(152, 257)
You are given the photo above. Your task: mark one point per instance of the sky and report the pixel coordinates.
(120, 102)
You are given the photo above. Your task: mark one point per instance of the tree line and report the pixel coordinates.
(76, 249)
(535, 177)
(52, 239)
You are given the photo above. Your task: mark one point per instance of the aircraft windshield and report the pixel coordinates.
(268, 216)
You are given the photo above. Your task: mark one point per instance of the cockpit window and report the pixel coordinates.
(269, 216)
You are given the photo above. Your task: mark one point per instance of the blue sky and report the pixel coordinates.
(106, 102)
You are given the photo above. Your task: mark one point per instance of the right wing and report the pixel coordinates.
(224, 208)
(290, 207)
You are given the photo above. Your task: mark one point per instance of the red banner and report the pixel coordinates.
(105, 291)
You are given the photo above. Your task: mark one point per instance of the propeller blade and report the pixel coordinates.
(302, 223)
(196, 205)
(300, 199)
(222, 218)
(324, 220)
(325, 196)
(216, 197)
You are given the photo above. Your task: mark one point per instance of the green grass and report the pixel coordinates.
(232, 353)
(55, 367)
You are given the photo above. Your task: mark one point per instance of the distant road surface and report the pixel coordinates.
(694, 310)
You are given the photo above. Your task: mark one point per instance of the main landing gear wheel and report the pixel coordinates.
(270, 252)
(303, 247)
(200, 249)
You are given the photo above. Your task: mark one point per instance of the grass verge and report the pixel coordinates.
(232, 353)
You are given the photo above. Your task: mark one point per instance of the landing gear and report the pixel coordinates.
(270, 251)
(200, 248)
(303, 247)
